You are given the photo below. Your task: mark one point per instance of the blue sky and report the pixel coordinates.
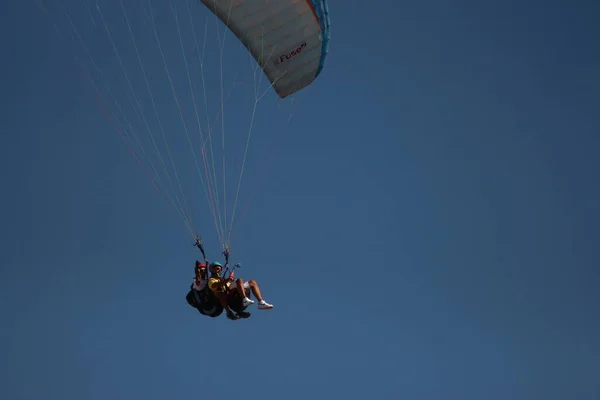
(425, 223)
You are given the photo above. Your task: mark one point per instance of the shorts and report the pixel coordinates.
(233, 288)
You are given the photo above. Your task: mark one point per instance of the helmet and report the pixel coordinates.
(200, 264)
(213, 266)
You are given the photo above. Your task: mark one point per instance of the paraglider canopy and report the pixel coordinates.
(288, 38)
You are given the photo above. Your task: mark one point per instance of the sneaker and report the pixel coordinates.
(246, 302)
(244, 314)
(263, 305)
(232, 316)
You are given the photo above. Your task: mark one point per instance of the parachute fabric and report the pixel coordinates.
(288, 38)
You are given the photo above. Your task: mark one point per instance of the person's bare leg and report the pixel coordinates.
(262, 304)
(240, 287)
(241, 290)
(255, 289)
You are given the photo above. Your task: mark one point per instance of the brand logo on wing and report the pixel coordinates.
(288, 56)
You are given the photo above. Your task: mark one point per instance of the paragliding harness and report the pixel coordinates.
(204, 300)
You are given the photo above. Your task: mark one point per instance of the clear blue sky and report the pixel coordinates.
(427, 226)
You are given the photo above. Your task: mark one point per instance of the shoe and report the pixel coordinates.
(264, 306)
(244, 314)
(246, 302)
(233, 316)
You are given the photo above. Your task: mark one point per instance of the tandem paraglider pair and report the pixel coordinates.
(211, 294)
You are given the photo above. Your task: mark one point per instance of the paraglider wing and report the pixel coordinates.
(288, 38)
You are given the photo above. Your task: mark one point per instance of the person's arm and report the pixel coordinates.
(201, 275)
(215, 283)
(222, 283)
